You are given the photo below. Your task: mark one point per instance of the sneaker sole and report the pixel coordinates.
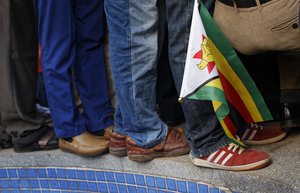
(267, 141)
(149, 157)
(253, 166)
(119, 152)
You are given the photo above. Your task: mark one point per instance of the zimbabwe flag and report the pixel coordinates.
(214, 72)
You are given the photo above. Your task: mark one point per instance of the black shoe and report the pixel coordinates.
(290, 111)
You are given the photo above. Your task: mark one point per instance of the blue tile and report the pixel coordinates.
(54, 184)
(16, 191)
(150, 181)
(83, 186)
(192, 187)
(151, 190)
(181, 186)
(214, 190)
(102, 187)
(132, 189)
(80, 175)
(3, 173)
(15, 184)
(171, 184)
(5, 191)
(203, 188)
(22, 173)
(51, 173)
(63, 184)
(34, 184)
(100, 176)
(110, 177)
(12, 173)
(141, 189)
(130, 179)
(90, 175)
(73, 185)
(93, 187)
(160, 183)
(55, 191)
(120, 177)
(162, 191)
(31, 173)
(46, 191)
(112, 187)
(140, 179)
(71, 174)
(5, 184)
(44, 184)
(25, 183)
(122, 188)
(35, 191)
(26, 191)
(41, 173)
(61, 173)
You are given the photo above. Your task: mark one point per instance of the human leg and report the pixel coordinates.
(206, 137)
(133, 48)
(19, 75)
(133, 60)
(57, 32)
(89, 68)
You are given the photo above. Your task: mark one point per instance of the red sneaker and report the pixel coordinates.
(233, 157)
(259, 135)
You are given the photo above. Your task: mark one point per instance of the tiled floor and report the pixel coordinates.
(75, 180)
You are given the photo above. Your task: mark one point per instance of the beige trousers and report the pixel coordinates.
(273, 26)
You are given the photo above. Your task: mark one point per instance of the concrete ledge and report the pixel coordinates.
(283, 176)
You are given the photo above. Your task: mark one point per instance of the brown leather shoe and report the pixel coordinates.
(174, 145)
(84, 144)
(117, 144)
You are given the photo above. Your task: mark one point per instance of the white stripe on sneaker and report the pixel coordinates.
(211, 156)
(226, 159)
(245, 134)
(252, 135)
(219, 157)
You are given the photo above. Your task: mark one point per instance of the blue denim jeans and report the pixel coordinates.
(133, 47)
(133, 32)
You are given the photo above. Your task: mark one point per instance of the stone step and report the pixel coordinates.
(282, 176)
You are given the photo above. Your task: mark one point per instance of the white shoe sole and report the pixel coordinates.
(267, 141)
(252, 166)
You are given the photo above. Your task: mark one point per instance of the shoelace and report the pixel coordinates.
(255, 125)
(235, 147)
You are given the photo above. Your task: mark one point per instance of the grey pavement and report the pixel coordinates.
(282, 176)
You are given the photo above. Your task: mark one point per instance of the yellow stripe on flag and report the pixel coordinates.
(235, 81)
(215, 83)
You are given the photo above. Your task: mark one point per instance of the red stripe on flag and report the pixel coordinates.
(234, 98)
(230, 125)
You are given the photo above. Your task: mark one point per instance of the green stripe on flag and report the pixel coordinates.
(214, 33)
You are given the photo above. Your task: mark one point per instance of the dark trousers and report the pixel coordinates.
(18, 69)
(71, 35)
(263, 68)
(167, 98)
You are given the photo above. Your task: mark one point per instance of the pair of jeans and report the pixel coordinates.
(133, 52)
(71, 35)
(133, 28)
